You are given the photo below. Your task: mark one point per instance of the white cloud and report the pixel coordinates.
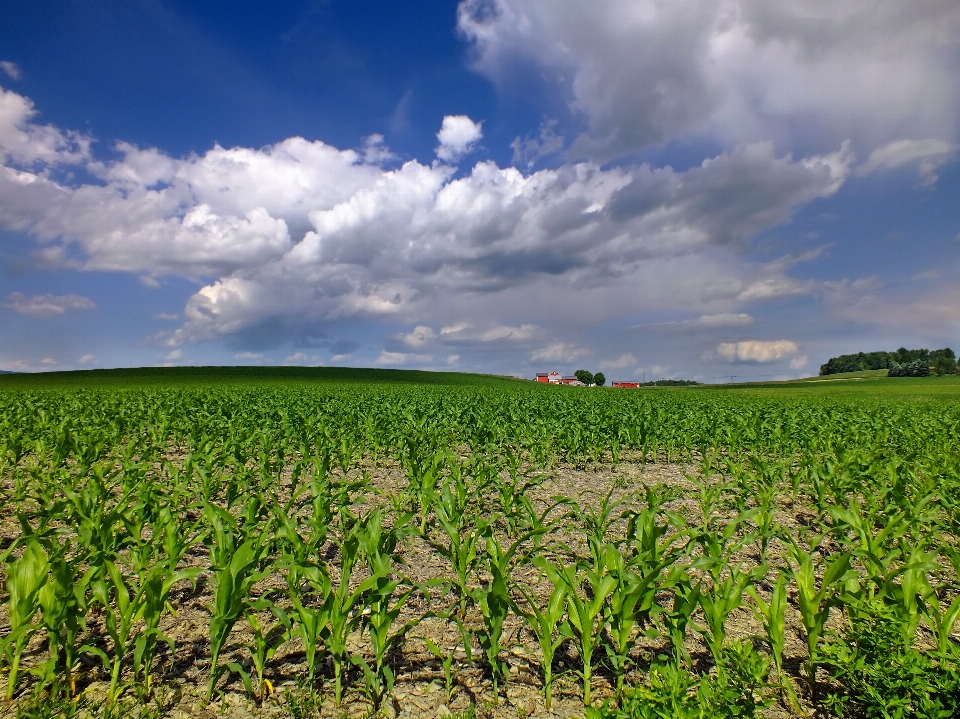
(503, 332)
(87, 359)
(174, 355)
(458, 137)
(454, 328)
(296, 358)
(341, 357)
(756, 350)
(558, 352)
(298, 233)
(703, 322)
(530, 150)
(48, 361)
(248, 355)
(931, 154)
(149, 282)
(418, 337)
(799, 362)
(10, 69)
(644, 72)
(166, 317)
(47, 305)
(625, 360)
(401, 358)
(453, 359)
(24, 142)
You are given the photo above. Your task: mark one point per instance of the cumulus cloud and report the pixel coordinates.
(47, 305)
(703, 322)
(558, 352)
(24, 142)
(929, 154)
(248, 355)
(643, 72)
(625, 360)
(87, 359)
(799, 362)
(401, 358)
(10, 69)
(418, 337)
(531, 149)
(756, 350)
(299, 233)
(458, 137)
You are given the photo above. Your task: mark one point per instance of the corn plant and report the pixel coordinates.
(686, 599)
(123, 601)
(233, 582)
(544, 624)
(718, 600)
(494, 603)
(26, 578)
(587, 591)
(64, 600)
(815, 603)
(446, 659)
(382, 604)
(268, 639)
(308, 586)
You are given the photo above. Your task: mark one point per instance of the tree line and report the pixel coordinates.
(901, 363)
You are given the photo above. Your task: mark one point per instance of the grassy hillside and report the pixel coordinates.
(207, 375)
(873, 383)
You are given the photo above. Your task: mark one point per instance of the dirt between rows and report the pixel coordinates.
(419, 692)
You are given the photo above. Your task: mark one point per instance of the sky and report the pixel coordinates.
(714, 190)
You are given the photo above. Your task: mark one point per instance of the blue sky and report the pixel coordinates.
(743, 188)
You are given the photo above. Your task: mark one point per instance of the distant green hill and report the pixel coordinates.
(204, 375)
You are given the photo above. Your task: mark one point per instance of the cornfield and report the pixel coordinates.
(308, 549)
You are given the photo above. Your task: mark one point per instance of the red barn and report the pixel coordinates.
(631, 385)
(551, 377)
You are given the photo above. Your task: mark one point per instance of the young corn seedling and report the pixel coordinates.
(544, 624)
(815, 603)
(63, 601)
(446, 659)
(939, 618)
(686, 599)
(462, 544)
(342, 608)
(718, 601)
(308, 586)
(268, 639)
(587, 591)
(233, 582)
(631, 608)
(493, 601)
(155, 584)
(772, 616)
(26, 577)
(382, 604)
(122, 600)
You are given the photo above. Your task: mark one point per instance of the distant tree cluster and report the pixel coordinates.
(902, 363)
(917, 368)
(584, 377)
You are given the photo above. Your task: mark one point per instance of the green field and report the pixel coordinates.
(319, 542)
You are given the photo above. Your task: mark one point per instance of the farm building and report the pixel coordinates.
(551, 377)
(557, 378)
(631, 385)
